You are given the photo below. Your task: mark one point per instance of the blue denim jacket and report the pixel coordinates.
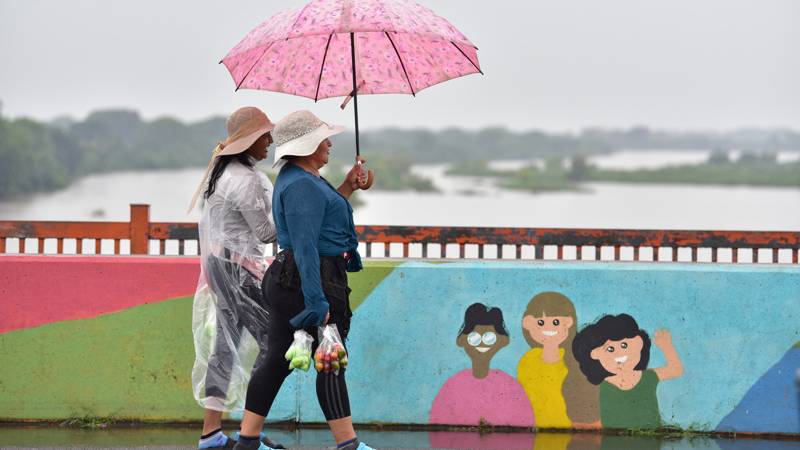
(313, 219)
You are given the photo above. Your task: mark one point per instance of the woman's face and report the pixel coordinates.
(322, 154)
(619, 356)
(259, 148)
(482, 343)
(548, 330)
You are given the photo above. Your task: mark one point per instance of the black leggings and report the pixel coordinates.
(284, 299)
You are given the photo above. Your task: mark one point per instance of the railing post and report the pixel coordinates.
(140, 229)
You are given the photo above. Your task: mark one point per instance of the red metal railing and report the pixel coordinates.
(139, 233)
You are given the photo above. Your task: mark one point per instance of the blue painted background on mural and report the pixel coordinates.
(730, 325)
(769, 403)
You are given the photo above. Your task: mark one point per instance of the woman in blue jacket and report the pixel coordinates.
(306, 285)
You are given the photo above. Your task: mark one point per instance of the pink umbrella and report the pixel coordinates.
(321, 50)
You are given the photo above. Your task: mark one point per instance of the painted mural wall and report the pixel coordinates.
(546, 345)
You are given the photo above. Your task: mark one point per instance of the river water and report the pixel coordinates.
(463, 201)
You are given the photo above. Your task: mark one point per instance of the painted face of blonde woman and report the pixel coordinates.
(548, 329)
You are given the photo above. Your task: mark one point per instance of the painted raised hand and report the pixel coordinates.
(663, 339)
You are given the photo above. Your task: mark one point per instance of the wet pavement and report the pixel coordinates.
(185, 438)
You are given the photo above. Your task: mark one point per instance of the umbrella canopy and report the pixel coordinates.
(320, 50)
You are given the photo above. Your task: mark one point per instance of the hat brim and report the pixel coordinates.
(307, 143)
(242, 144)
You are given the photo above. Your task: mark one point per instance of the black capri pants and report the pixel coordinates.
(283, 299)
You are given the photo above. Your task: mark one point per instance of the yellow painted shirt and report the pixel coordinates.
(542, 382)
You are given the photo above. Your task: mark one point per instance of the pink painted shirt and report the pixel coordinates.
(497, 399)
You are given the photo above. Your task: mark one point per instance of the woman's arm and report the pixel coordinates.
(261, 224)
(254, 202)
(674, 366)
(304, 208)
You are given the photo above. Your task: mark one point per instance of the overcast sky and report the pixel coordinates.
(555, 65)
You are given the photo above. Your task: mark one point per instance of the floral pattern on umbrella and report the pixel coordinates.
(400, 47)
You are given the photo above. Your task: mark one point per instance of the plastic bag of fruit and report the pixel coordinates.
(330, 355)
(299, 353)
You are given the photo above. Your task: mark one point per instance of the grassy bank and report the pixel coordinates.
(747, 174)
(750, 170)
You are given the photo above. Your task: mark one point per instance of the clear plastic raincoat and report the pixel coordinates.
(228, 319)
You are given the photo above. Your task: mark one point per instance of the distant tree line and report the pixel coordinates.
(457, 145)
(750, 169)
(37, 156)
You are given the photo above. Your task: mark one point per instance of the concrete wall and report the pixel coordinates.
(110, 337)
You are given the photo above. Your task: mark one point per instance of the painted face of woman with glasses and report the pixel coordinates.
(482, 336)
(470, 397)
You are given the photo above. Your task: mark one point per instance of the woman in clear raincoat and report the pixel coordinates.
(228, 319)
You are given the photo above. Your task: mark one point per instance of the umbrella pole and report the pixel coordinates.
(355, 88)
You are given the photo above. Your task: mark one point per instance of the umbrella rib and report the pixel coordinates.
(322, 66)
(465, 56)
(253, 66)
(401, 63)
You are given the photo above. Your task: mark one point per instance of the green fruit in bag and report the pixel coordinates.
(210, 330)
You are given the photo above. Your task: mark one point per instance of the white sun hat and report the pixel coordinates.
(299, 134)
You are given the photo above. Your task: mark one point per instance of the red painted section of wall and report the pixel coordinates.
(35, 290)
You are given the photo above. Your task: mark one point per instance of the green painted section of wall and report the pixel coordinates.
(362, 283)
(133, 364)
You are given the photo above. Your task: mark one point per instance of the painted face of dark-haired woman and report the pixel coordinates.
(619, 356)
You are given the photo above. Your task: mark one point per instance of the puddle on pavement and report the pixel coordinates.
(186, 438)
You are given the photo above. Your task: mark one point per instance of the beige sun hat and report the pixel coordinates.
(245, 126)
(299, 134)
